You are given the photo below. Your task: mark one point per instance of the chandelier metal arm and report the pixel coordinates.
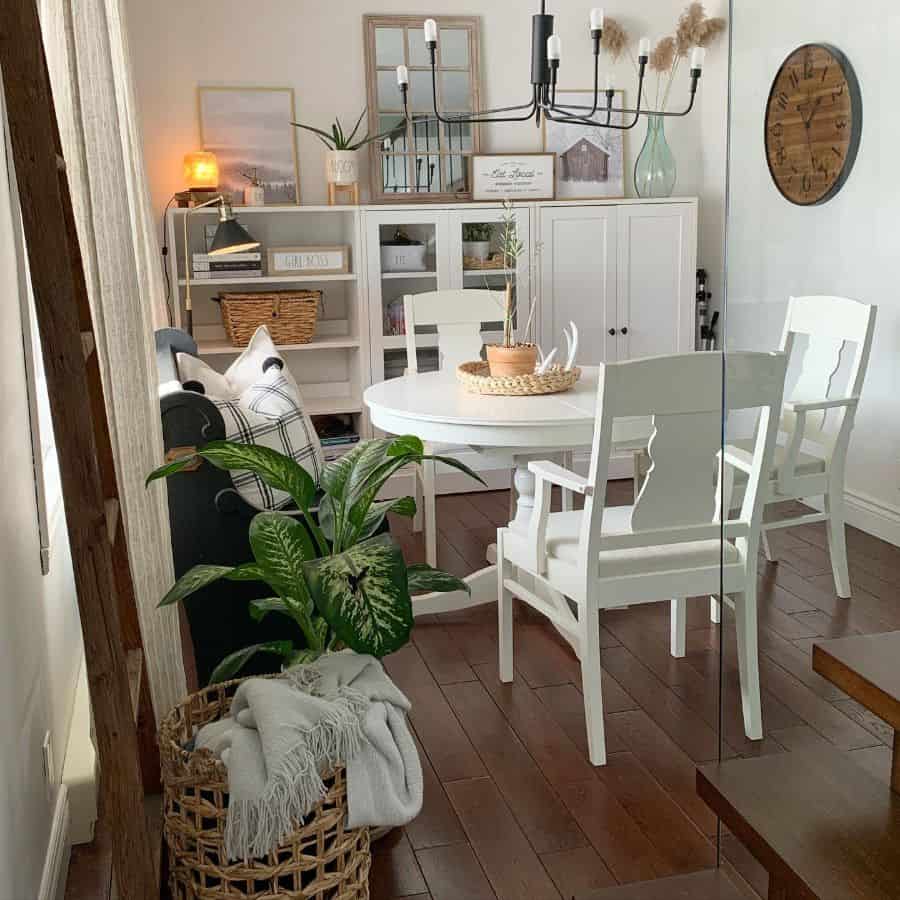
(546, 55)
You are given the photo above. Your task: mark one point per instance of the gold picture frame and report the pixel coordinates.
(333, 259)
(224, 110)
(570, 188)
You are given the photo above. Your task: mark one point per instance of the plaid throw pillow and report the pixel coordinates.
(269, 413)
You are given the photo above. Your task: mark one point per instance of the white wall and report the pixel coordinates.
(40, 636)
(848, 246)
(317, 48)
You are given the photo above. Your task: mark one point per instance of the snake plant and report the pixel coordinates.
(342, 582)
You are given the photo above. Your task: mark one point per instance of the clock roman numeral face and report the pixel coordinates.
(812, 124)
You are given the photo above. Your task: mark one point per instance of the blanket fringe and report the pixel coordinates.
(255, 827)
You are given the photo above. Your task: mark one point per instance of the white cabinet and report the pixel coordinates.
(442, 231)
(578, 278)
(623, 272)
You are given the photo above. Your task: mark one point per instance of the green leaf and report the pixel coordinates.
(422, 577)
(337, 475)
(406, 445)
(328, 517)
(170, 468)
(277, 470)
(234, 662)
(324, 136)
(356, 126)
(192, 580)
(456, 464)
(402, 506)
(363, 595)
(304, 657)
(260, 608)
(280, 545)
(246, 572)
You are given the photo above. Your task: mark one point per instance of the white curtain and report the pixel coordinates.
(87, 55)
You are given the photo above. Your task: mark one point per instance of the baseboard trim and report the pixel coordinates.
(56, 862)
(873, 516)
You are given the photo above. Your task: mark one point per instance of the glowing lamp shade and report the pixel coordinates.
(201, 171)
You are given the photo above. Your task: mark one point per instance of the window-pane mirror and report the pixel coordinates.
(421, 158)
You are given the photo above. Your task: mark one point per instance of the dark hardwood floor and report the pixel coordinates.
(513, 809)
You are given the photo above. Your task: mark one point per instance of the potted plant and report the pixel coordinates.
(510, 357)
(342, 158)
(477, 240)
(343, 581)
(402, 254)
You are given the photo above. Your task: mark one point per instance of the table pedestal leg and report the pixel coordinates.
(483, 583)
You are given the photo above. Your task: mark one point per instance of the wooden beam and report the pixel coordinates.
(63, 312)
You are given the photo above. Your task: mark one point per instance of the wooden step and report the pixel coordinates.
(711, 884)
(818, 823)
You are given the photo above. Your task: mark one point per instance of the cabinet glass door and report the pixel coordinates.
(407, 253)
(477, 260)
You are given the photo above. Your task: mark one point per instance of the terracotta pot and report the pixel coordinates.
(518, 360)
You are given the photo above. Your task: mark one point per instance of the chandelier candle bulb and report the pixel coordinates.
(596, 19)
(697, 58)
(609, 83)
(430, 31)
(644, 49)
(554, 47)
(402, 76)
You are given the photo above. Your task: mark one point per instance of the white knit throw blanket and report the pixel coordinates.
(284, 732)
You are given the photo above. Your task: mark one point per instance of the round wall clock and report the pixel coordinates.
(813, 124)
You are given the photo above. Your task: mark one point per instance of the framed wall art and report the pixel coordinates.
(590, 160)
(513, 176)
(250, 128)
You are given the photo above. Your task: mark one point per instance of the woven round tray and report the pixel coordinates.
(320, 860)
(476, 378)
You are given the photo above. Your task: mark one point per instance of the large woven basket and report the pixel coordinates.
(289, 315)
(476, 378)
(320, 860)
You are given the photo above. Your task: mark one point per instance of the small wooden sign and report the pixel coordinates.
(513, 176)
(332, 260)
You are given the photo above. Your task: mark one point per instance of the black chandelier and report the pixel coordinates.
(545, 60)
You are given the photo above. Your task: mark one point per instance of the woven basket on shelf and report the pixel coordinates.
(289, 315)
(320, 860)
(476, 378)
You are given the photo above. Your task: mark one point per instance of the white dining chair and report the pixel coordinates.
(833, 334)
(458, 316)
(667, 545)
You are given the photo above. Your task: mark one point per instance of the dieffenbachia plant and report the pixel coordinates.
(334, 574)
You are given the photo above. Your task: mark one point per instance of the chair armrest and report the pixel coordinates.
(548, 471)
(739, 459)
(814, 405)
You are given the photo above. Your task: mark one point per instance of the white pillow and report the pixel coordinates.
(243, 372)
(269, 413)
(260, 404)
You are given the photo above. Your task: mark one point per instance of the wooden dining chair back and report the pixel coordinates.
(668, 544)
(458, 315)
(832, 335)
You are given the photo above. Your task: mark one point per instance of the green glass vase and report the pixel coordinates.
(655, 170)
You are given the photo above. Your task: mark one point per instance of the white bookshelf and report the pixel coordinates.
(334, 368)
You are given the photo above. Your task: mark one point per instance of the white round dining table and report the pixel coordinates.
(439, 410)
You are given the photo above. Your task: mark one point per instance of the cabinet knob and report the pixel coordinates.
(623, 331)
(612, 332)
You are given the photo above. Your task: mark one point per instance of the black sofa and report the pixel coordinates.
(209, 523)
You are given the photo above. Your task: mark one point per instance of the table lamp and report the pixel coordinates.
(230, 237)
(201, 171)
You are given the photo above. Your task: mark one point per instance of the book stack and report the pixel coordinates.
(231, 265)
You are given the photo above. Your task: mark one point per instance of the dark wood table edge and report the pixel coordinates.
(783, 881)
(855, 685)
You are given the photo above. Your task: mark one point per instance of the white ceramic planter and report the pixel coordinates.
(342, 166)
(479, 250)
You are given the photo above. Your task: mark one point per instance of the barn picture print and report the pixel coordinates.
(590, 159)
(250, 128)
